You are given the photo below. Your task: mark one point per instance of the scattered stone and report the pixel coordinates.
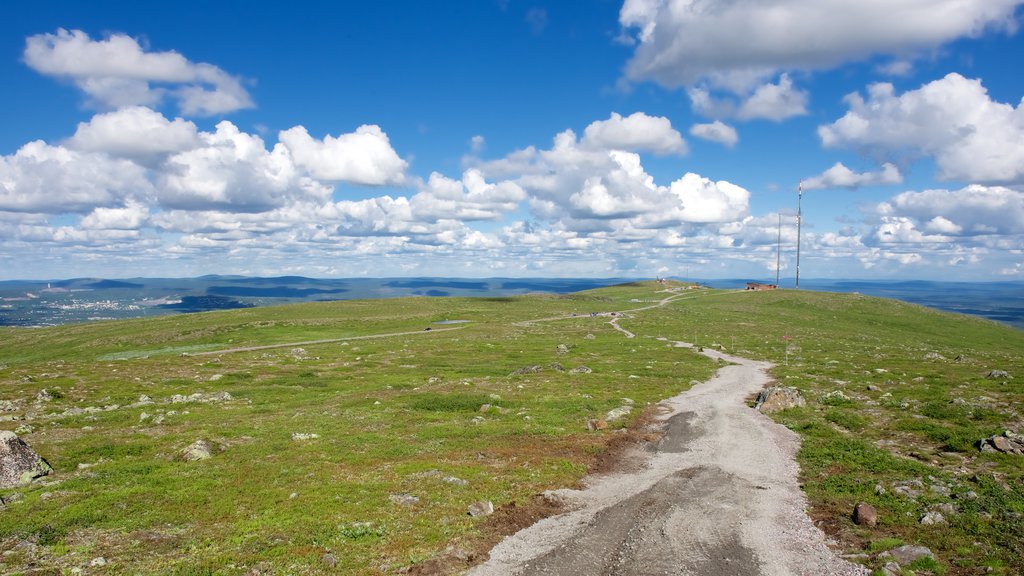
(595, 424)
(198, 450)
(485, 407)
(616, 413)
(879, 489)
(329, 559)
(944, 508)
(1008, 443)
(557, 367)
(143, 417)
(98, 561)
(220, 397)
(874, 388)
(777, 398)
(404, 499)
(482, 508)
(932, 518)
(999, 375)
(19, 464)
(455, 481)
(934, 356)
(580, 370)
(865, 514)
(835, 396)
(960, 358)
(908, 554)
(909, 488)
(216, 377)
(561, 349)
(24, 429)
(589, 337)
(891, 569)
(527, 370)
(44, 396)
(477, 420)
(298, 352)
(300, 436)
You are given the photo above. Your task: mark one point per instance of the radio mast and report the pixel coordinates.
(799, 218)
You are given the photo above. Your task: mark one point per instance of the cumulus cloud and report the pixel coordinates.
(716, 131)
(681, 42)
(361, 157)
(638, 131)
(839, 176)
(583, 188)
(973, 210)
(130, 217)
(775, 102)
(134, 132)
(118, 71)
(971, 137)
(54, 180)
(234, 170)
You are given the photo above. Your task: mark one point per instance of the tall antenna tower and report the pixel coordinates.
(799, 218)
(778, 252)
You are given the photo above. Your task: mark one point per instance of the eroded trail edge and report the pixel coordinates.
(719, 494)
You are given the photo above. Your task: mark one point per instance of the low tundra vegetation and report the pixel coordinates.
(364, 455)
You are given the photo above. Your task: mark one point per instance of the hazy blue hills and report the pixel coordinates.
(43, 303)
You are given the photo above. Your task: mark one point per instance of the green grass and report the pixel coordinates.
(397, 415)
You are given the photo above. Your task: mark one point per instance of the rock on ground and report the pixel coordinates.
(198, 450)
(1008, 443)
(905, 555)
(865, 515)
(778, 398)
(19, 464)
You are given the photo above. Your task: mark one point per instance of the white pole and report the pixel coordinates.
(799, 218)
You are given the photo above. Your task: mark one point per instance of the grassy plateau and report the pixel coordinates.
(337, 451)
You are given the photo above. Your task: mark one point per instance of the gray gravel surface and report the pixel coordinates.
(717, 495)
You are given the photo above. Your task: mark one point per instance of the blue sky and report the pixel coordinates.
(513, 138)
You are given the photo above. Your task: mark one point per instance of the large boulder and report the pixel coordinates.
(777, 398)
(19, 464)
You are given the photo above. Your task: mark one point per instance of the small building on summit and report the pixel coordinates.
(759, 286)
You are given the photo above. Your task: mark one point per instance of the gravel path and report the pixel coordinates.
(718, 495)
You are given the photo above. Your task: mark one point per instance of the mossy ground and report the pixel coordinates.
(391, 411)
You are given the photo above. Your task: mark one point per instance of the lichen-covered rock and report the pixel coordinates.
(527, 370)
(908, 554)
(778, 398)
(19, 464)
(198, 450)
(999, 375)
(482, 508)
(1008, 443)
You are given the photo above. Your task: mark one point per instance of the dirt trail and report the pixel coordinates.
(312, 342)
(718, 495)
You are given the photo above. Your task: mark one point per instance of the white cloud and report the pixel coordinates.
(974, 210)
(131, 217)
(638, 131)
(681, 42)
(118, 72)
(361, 157)
(896, 68)
(839, 176)
(134, 132)
(971, 137)
(716, 131)
(593, 191)
(704, 200)
(233, 170)
(54, 180)
(774, 102)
